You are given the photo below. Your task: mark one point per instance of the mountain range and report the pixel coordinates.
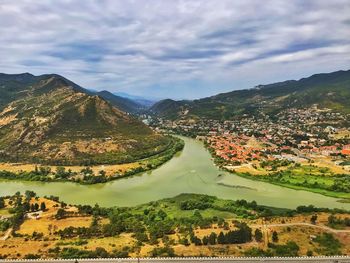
(49, 119)
(327, 90)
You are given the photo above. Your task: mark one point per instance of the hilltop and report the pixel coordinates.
(49, 119)
(328, 90)
(122, 103)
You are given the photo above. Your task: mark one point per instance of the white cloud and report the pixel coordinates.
(200, 47)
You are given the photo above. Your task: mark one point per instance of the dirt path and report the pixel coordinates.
(304, 224)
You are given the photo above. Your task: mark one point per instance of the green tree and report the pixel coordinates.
(29, 194)
(43, 206)
(313, 219)
(2, 203)
(274, 237)
(212, 238)
(221, 238)
(258, 235)
(61, 213)
(162, 214)
(205, 240)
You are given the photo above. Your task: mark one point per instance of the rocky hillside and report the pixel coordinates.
(49, 119)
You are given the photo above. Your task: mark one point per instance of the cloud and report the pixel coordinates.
(180, 48)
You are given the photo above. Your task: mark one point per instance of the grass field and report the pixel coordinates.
(309, 177)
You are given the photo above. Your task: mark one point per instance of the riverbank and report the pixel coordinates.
(89, 175)
(301, 182)
(344, 196)
(190, 171)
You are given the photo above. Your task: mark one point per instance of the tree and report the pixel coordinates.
(43, 206)
(26, 206)
(274, 237)
(61, 213)
(94, 222)
(258, 235)
(205, 240)
(162, 214)
(61, 172)
(36, 206)
(196, 240)
(2, 203)
(221, 238)
(212, 238)
(313, 219)
(29, 194)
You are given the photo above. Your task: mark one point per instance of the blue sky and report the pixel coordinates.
(174, 48)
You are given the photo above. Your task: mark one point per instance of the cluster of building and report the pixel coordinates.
(237, 148)
(296, 132)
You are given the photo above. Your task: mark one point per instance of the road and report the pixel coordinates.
(195, 260)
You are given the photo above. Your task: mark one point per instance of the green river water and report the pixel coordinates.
(191, 171)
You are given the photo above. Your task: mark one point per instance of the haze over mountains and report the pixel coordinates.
(52, 120)
(328, 90)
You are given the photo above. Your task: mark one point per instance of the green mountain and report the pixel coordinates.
(329, 90)
(49, 119)
(122, 103)
(169, 108)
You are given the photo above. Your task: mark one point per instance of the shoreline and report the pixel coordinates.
(342, 196)
(338, 195)
(151, 163)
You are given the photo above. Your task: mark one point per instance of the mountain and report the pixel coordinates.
(146, 102)
(49, 119)
(327, 90)
(122, 103)
(169, 108)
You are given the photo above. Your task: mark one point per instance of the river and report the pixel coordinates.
(191, 171)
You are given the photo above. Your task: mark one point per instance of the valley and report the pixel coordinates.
(299, 143)
(190, 171)
(174, 131)
(108, 185)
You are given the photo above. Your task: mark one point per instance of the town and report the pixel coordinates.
(316, 141)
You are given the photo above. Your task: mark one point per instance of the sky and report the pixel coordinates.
(180, 49)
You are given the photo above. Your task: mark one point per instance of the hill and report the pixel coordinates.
(146, 102)
(122, 103)
(169, 108)
(50, 120)
(328, 90)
